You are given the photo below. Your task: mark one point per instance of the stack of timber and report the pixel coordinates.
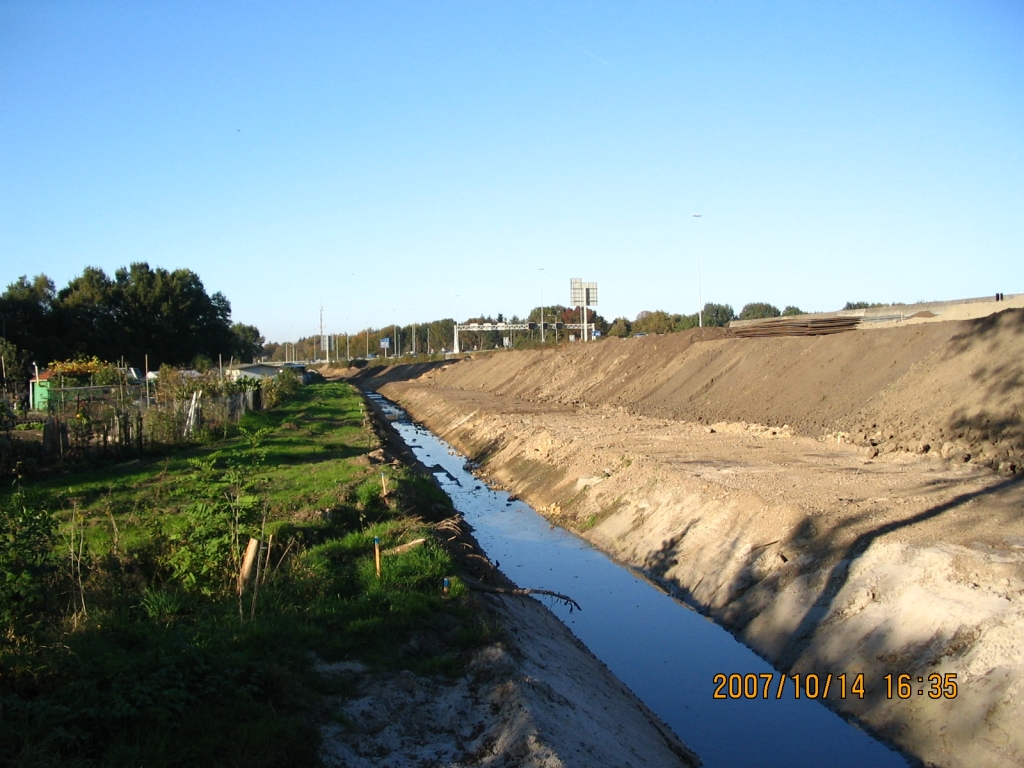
(795, 326)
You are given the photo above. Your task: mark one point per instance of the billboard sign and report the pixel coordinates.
(582, 294)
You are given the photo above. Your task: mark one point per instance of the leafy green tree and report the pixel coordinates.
(791, 310)
(621, 327)
(248, 341)
(15, 364)
(757, 310)
(718, 315)
(860, 305)
(657, 321)
(169, 316)
(27, 318)
(86, 315)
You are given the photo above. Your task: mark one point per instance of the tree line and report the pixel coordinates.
(140, 311)
(436, 336)
(714, 316)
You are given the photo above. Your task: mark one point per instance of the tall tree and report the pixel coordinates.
(248, 342)
(621, 327)
(169, 316)
(718, 315)
(27, 318)
(86, 316)
(657, 321)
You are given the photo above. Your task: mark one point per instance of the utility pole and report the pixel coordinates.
(700, 300)
(541, 270)
(322, 338)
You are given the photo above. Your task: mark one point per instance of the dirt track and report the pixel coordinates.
(744, 472)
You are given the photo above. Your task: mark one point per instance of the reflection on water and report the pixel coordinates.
(664, 651)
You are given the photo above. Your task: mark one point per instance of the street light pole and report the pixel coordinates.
(541, 270)
(700, 300)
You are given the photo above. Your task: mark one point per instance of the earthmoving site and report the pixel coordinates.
(843, 503)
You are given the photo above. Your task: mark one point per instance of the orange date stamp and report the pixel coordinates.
(774, 685)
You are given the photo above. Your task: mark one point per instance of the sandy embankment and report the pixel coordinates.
(823, 555)
(539, 699)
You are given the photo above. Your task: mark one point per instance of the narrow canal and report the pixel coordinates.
(667, 653)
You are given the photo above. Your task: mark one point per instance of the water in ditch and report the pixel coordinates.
(664, 651)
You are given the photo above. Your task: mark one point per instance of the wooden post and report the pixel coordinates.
(266, 565)
(376, 554)
(247, 562)
(384, 485)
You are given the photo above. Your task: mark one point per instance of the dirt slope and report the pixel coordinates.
(820, 554)
(933, 382)
(538, 699)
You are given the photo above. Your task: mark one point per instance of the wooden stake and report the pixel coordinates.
(266, 565)
(376, 554)
(384, 485)
(248, 560)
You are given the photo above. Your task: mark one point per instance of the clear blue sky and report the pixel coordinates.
(410, 161)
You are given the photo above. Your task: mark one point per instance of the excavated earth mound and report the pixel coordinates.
(843, 504)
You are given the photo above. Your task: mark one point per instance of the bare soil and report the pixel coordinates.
(847, 503)
(537, 699)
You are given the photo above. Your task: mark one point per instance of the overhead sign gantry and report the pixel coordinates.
(582, 295)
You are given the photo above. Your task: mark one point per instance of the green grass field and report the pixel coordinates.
(124, 640)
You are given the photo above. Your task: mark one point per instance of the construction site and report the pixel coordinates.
(844, 499)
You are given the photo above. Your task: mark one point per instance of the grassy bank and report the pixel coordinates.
(124, 637)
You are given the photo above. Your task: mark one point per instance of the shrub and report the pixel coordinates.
(280, 388)
(26, 543)
(718, 315)
(757, 310)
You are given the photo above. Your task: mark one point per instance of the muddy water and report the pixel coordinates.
(664, 651)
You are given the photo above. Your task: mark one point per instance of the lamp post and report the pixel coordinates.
(541, 270)
(700, 300)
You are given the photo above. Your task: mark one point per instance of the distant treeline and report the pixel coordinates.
(140, 311)
(433, 337)
(436, 336)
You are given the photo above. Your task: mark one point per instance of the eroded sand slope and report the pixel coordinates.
(731, 469)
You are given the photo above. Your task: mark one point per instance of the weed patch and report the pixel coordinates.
(129, 637)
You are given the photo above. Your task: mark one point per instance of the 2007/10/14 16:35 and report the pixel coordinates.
(814, 686)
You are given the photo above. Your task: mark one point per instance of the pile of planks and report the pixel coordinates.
(796, 326)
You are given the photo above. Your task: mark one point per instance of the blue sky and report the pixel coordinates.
(402, 162)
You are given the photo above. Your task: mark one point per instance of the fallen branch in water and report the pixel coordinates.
(478, 587)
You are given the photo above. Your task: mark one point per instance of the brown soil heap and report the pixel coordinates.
(842, 503)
